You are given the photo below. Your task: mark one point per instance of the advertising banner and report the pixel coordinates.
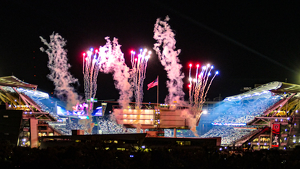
(275, 134)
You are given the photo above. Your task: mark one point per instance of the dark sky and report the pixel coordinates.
(248, 42)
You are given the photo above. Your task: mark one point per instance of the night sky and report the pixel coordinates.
(248, 42)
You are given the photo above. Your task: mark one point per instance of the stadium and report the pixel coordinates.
(263, 118)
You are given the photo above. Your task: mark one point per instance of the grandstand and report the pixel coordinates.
(248, 119)
(39, 116)
(18, 97)
(262, 118)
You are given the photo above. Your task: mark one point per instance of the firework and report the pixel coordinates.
(199, 86)
(139, 65)
(91, 67)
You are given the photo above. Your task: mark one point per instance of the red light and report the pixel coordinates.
(190, 65)
(197, 65)
(96, 50)
(83, 54)
(189, 86)
(135, 59)
(86, 58)
(132, 52)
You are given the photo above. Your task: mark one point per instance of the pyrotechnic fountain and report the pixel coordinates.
(107, 59)
(198, 88)
(91, 67)
(139, 66)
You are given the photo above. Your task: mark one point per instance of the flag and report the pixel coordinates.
(153, 84)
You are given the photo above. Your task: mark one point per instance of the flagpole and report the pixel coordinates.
(157, 97)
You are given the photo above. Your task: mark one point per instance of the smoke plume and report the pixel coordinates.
(58, 65)
(168, 56)
(113, 62)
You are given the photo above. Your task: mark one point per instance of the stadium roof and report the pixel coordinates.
(12, 81)
(288, 88)
(275, 87)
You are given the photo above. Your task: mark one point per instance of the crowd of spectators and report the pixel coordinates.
(66, 128)
(88, 156)
(228, 133)
(243, 110)
(110, 126)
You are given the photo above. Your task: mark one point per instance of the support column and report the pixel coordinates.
(33, 133)
(175, 132)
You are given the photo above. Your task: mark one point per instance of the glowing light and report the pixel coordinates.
(204, 111)
(190, 65)
(89, 53)
(197, 65)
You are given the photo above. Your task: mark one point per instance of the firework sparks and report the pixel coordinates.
(91, 67)
(139, 66)
(199, 86)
